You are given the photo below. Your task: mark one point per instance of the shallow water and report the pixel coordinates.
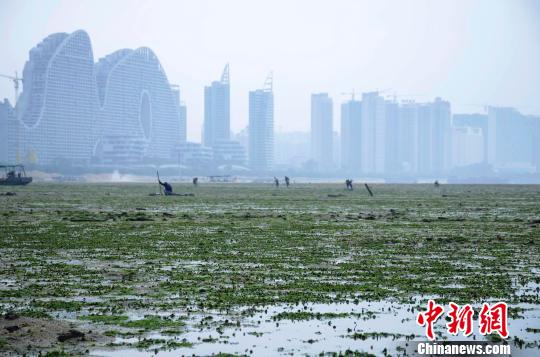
(260, 334)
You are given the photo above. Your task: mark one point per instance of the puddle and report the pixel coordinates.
(383, 325)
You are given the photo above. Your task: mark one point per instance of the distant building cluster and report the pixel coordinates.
(122, 111)
(379, 136)
(218, 150)
(385, 138)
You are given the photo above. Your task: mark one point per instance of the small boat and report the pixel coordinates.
(13, 175)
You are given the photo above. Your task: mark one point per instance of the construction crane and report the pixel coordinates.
(350, 93)
(353, 92)
(16, 81)
(383, 90)
(393, 96)
(268, 82)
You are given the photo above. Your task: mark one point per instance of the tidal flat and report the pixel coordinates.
(251, 269)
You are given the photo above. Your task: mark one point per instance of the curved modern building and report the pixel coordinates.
(57, 105)
(120, 110)
(136, 100)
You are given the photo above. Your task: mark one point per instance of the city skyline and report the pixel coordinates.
(269, 177)
(362, 45)
(123, 110)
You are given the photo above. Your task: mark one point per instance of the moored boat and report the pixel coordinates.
(13, 175)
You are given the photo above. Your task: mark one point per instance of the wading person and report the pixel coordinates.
(276, 181)
(287, 181)
(195, 181)
(166, 187)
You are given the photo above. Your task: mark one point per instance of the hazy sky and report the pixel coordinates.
(472, 53)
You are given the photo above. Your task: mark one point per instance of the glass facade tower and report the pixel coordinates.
(261, 128)
(70, 105)
(217, 113)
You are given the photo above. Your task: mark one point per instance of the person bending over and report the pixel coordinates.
(167, 188)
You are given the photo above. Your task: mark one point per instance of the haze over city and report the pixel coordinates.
(269, 178)
(390, 91)
(471, 53)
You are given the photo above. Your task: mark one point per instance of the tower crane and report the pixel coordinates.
(350, 93)
(16, 80)
(353, 92)
(268, 82)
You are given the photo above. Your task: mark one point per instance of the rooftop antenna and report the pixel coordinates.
(268, 82)
(225, 75)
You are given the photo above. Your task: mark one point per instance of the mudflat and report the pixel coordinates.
(106, 269)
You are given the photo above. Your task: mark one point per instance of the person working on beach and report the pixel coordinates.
(167, 187)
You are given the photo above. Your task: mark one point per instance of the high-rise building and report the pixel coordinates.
(351, 136)
(373, 133)
(509, 139)
(136, 101)
(392, 164)
(476, 120)
(434, 137)
(321, 131)
(336, 149)
(535, 130)
(261, 127)
(72, 110)
(217, 110)
(467, 145)
(57, 106)
(424, 139)
(182, 112)
(7, 115)
(407, 139)
(442, 135)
